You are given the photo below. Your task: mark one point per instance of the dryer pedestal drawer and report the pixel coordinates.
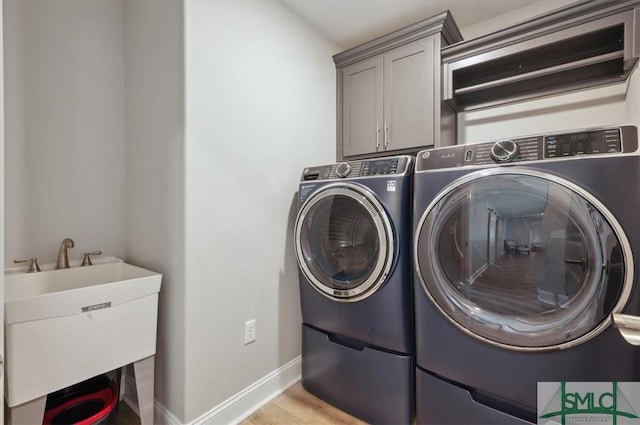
(443, 403)
(371, 384)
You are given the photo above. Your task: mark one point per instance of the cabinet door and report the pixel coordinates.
(362, 107)
(410, 90)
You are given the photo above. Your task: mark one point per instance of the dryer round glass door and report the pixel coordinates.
(344, 242)
(523, 259)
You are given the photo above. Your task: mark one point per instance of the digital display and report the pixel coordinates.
(579, 136)
(585, 143)
(372, 168)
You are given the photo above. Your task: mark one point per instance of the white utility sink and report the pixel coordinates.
(53, 293)
(65, 326)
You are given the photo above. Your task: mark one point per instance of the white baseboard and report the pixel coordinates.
(162, 415)
(235, 408)
(240, 406)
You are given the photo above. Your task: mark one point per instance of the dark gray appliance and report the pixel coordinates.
(353, 246)
(523, 255)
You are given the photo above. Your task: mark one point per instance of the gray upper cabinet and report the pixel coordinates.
(410, 89)
(389, 98)
(362, 106)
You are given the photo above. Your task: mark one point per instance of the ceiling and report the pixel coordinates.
(348, 23)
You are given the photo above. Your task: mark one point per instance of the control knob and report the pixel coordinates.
(343, 170)
(504, 151)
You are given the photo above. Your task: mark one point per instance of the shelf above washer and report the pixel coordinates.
(576, 47)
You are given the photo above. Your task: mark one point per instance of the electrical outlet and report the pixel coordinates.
(249, 331)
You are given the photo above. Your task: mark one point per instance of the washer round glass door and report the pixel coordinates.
(344, 242)
(523, 259)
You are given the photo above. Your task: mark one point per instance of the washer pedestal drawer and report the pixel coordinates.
(368, 383)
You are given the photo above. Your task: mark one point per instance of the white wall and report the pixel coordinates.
(64, 80)
(587, 108)
(260, 106)
(154, 98)
(514, 17)
(633, 98)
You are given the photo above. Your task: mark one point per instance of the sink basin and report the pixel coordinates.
(64, 326)
(53, 293)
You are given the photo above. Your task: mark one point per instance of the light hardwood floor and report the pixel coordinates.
(296, 406)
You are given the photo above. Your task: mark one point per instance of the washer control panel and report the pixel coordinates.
(603, 141)
(365, 168)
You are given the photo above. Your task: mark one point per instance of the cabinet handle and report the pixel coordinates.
(386, 136)
(377, 137)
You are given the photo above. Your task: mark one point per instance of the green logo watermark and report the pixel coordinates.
(588, 402)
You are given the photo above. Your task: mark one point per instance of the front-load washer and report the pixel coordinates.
(523, 258)
(353, 246)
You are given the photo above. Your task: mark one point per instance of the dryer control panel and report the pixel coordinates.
(584, 143)
(398, 165)
(601, 141)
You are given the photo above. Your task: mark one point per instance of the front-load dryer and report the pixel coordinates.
(523, 258)
(353, 246)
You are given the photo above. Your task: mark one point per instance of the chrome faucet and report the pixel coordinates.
(63, 257)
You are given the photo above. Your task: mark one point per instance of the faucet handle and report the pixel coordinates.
(86, 261)
(33, 266)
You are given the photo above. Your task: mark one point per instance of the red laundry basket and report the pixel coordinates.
(88, 403)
